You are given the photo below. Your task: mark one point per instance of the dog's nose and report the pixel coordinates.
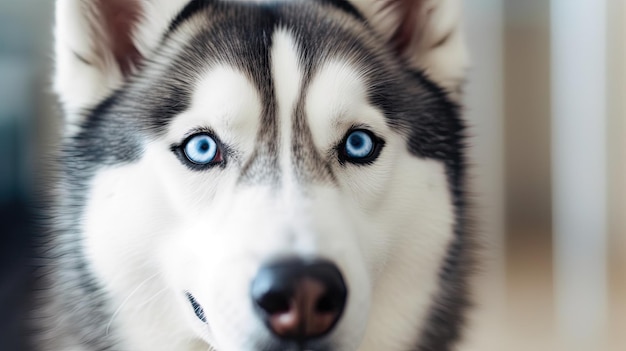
(299, 300)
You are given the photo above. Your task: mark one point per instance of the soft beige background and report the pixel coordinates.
(509, 104)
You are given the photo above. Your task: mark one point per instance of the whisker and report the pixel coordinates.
(153, 297)
(119, 309)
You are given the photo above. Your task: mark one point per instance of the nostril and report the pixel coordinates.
(274, 302)
(326, 304)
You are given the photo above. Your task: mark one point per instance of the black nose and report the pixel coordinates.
(299, 300)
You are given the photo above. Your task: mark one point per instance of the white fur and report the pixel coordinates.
(224, 100)
(77, 83)
(157, 15)
(81, 86)
(155, 229)
(404, 239)
(445, 64)
(288, 84)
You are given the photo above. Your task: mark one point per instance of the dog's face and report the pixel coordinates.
(263, 177)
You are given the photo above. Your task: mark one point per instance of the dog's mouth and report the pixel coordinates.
(197, 309)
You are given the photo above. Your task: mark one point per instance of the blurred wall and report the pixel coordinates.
(617, 128)
(528, 319)
(528, 168)
(617, 169)
(527, 117)
(25, 33)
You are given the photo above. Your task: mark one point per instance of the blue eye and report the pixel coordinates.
(201, 149)
(359, 146)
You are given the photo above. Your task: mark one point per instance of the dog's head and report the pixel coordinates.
(256, 175)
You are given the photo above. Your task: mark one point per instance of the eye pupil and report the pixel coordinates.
(356, 141)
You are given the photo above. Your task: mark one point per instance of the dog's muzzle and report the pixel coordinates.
(299, 300)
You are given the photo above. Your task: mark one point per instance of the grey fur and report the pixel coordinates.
(240, 35)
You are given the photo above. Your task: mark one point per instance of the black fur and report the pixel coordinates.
(196, 6)
(190, 9)
(345, 6)
(240, 35)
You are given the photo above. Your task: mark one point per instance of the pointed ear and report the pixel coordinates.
(99, 43)
(427, 33)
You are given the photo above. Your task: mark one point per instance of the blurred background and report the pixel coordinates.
(27, 116)
(546, 98)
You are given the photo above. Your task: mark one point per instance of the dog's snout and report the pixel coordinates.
(299, 300)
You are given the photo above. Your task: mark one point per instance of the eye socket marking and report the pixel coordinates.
(360, 146)
(200, 151)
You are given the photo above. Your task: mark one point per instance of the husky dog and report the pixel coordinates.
(257, 175)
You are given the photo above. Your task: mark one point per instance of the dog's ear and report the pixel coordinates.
(99, 43)
(427, 33)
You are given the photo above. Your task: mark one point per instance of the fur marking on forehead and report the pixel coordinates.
(196, 6)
